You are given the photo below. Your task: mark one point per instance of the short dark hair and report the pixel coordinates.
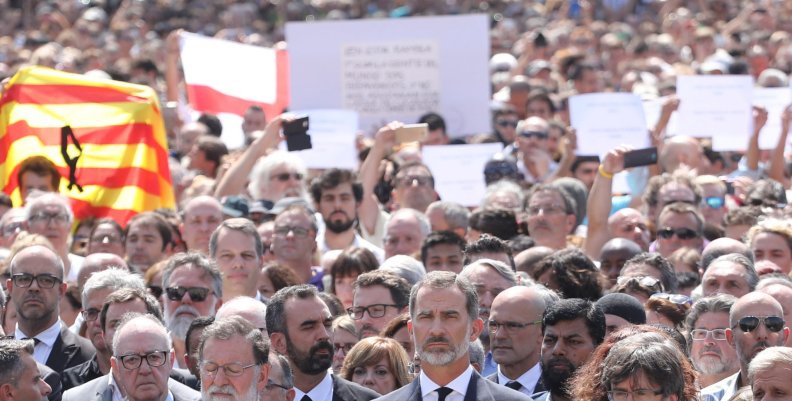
(225, 328)
(241, 225)
(332, 178)
(213, 123)
(576, 275)
(42, 167)
(573, 309)
(125, 295)
(434, 121)
(441, 238)
(352, 262)
(155, 220)
(498, 222)
(107, 221)
(440, 279)
(213, 149)
(667, 275)
(569, 206)
(745, 215)
(5, 200)
(488, 244)
(398, 287)
(198, 323)
(276, 308)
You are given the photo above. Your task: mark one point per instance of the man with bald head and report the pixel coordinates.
(757, 323)
(630, 224)
(681, 151)
(36, 287)
(250, 309)
(515, 332)
(97, 262)
(200, 218)
(613, 256)
(720, 247)
(779, 288)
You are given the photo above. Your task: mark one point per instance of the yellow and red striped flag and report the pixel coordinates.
(107, 139)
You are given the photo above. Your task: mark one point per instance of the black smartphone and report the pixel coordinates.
(729, 187)
(640, 157)
(296, 133)
(540, 40)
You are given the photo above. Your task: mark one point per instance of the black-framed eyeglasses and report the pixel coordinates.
(90, 314)
(197, 294)
(681, 233)
(374, 311)
(511, 327)
(750, 323)
(639, 394)
(25, 280)
(284, 231)
(271, 384)
(230, 369)
(153, 359)
(534, 134)
(155, 290)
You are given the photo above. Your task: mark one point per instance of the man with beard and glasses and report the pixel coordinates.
(378, 297)
(193, 288)
(337, 197)
(572, 329)
(443, 322)
(298, 323)
(241, 351)
(712, 356)
(756, 322)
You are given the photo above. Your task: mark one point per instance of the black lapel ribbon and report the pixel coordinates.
(66, 133)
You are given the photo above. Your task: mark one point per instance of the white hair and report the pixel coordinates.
(405, 267)
(260, 175)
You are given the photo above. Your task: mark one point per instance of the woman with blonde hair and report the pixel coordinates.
(377, 363)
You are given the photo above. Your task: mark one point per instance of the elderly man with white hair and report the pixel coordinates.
(769, 374)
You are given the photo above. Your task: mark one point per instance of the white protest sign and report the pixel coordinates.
(394, 69)
(653, 109)
(458, 170)
(605, 121)
(717, 106)
(332, 139)
(775, 100)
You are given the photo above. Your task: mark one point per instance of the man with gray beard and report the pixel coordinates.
(711, 354)
(193, 288)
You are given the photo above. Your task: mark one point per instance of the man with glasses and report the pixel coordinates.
(237, 249)
(241, 352)
(193, 288)
(713, 203)
(49, 214)
(712, 356)
(756, 323)
(98, 287)
(299, 325)
(378, 297)
(551, 216)
(515, 334)
(280, 385)
(36, 288)
(680, 225)
(12, 223)
(732, 274)
(294, 243)
(534, 159)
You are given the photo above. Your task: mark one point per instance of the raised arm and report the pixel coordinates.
(777, 164)
(752, 154)
(598, 205)
(369, 175)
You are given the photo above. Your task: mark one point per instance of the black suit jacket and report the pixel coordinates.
(53, 380)
(99, 390)
(69, 350)
(479, 389)
(345, 390)
(538, 388)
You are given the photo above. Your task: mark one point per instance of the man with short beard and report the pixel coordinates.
(710, 353)
(572, 329)
(298, 323)
(337, 197)
(193, 287)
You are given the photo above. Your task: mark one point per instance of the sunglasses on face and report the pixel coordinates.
(681, 233)
(714, 202)
(197, 294)
(155, 290)
(420, 180)
(534, 134)
(506, 123)
(751, 323)
(678, 299)
(645, 281)
(283, 177)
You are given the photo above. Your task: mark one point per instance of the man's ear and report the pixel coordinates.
(7, 391)
(730, 337)
(571, 221)
(478, 326)
(278, 341)
(263, 377)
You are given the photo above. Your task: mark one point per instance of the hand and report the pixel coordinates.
(760, 118)
(272, 136)
(569, 141)
(613, 163)
(537, 162)
(670, 105)
(385, 138)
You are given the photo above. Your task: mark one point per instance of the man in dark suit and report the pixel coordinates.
(141, 363)
(298, 322)
(443, 321)
(515, 332)
(36, 287)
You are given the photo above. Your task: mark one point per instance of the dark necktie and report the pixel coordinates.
(442, 393)
(36, 341)
(514, 385)
(306, 398)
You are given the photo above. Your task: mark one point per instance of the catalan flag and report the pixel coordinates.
(106, 138)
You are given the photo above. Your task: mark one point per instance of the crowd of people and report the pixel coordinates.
(270, 281)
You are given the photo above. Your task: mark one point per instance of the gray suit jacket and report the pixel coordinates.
(479, 389)
(99, 390)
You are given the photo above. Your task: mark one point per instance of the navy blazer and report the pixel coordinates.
(479, 389)
(538, 388)
(345, 390)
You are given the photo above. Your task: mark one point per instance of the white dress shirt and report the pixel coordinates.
(46, 339)
(459, 385)
(528, 379)
(321, 392)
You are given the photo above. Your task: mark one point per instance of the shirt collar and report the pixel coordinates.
(459, 384)
(48, 336)
(527, 379)
(320, 392)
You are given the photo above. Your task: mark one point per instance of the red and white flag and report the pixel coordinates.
(225, 78)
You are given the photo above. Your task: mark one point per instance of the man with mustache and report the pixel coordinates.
(515, 335)
(757, 323)
(443, 322)
(241, 351)
(572, 329)
(711, 354)
(193, 287)
(337, 196)
(298, 323)
(551, 216)
(378, 297)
